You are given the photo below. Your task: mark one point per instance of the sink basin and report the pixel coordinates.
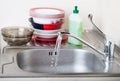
(69, 61)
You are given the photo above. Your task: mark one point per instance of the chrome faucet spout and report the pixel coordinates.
(106, 53)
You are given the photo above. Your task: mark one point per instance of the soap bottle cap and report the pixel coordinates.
(76, 11)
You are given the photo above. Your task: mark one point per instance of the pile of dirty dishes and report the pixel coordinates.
(47, 22)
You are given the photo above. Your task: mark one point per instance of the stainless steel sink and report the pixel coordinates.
(73, 61)
(69, 61)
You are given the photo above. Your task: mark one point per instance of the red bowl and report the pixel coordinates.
(53, 26)
(36, 40)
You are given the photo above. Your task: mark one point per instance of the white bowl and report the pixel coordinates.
(41, 35)
(47, 20)
(47, 31)
(46, 12)
(46, 15)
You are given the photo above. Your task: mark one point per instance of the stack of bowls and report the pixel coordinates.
(17, 35)
(47, 22)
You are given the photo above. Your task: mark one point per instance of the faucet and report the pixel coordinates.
(108, 45)
(108, 50)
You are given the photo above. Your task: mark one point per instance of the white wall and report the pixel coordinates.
(16, 12)
(111, 19)
(106, 13)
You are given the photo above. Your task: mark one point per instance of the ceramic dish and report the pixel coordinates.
(38, 41)
(47, 20)
(48, 31)
(53, 26)
(46, 12)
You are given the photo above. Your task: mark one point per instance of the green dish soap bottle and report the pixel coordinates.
(75, 27)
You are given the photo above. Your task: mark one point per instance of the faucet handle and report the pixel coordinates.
(112, 48)
(109, 48)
